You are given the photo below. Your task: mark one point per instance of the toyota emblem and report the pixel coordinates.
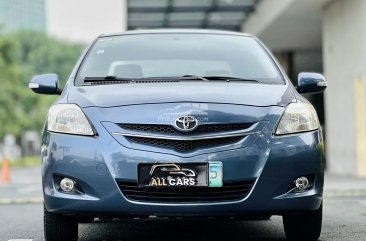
(186, 123)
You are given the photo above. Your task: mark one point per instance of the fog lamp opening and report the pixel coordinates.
(301, 183)
(67, 184)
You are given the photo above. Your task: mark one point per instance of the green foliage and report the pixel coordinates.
(23, 55)
(26, 162)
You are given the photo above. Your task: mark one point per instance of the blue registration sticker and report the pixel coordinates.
(215, 174)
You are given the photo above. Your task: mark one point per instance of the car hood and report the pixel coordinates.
(254, 94)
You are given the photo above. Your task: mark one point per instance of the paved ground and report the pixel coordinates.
(25, 183)
(344, 218)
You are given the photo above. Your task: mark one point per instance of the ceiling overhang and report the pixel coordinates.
(212, 14)
(287, 25)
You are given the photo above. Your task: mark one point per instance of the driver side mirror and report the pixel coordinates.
(311, 83)
(46, 84)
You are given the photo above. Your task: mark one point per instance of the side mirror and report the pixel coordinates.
(311, 83)
(45, 84)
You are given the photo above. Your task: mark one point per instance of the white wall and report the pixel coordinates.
(84, 20)
(344, 51)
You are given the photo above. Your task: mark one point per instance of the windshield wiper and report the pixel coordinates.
(183, 77)
(205, 78)
(106, 78)
(115, 78)
(229, 78)
(194, 77)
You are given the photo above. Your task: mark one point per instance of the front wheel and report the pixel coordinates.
(58, 227)
(304, 227)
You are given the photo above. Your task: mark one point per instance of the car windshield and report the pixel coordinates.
(167, 55)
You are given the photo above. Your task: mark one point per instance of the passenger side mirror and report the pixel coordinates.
(311, 83)
(45, 84)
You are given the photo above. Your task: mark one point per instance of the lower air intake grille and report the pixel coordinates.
(184, 145)
(229, 192)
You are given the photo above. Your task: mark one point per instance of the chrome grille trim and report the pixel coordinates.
(246, 132)
(189, 143)
(201, 129)
(185, 138)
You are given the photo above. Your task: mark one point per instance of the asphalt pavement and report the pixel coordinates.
(24, 187)
(21, 217)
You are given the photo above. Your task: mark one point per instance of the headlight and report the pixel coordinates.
(298, 117)
(68, 118)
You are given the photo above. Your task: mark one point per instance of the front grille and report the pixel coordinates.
(185, 145)
(168, 129)
(231, 191)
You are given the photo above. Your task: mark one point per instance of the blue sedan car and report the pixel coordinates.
(181, 123)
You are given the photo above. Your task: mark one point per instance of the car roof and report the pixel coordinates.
(184, 31)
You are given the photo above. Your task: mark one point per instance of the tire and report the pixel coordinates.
(58, 227)
(304, 227)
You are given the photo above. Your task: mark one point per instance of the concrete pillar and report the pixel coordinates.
(344, 51)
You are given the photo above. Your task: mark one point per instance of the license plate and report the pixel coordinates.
(215, 174)
(180, 174)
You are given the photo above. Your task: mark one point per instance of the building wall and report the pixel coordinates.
(23, 14)
(84, 20)
(344, 51)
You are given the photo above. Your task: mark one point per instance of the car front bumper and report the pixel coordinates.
(97, 162)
